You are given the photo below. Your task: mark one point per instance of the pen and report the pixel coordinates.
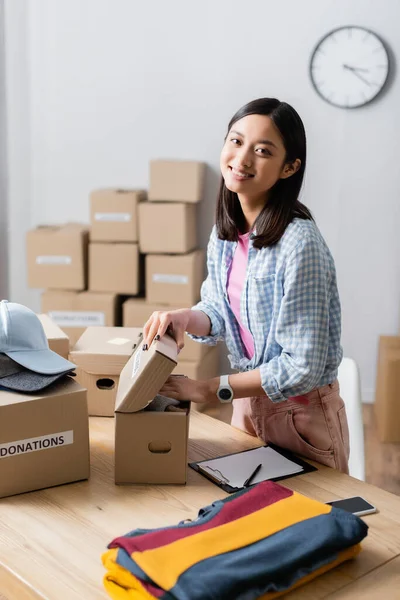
(254, 473)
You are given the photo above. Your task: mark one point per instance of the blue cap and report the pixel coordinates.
(23, 339)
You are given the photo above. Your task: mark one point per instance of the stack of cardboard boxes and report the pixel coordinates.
(174, 265)
(88, 274)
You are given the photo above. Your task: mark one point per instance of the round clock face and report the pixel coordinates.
(349, 67)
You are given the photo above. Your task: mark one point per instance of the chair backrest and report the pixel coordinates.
(350, 391)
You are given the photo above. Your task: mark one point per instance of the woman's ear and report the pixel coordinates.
(290, 169)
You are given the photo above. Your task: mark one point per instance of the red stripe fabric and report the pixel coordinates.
(259, 496)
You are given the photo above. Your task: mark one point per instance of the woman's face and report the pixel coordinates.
(253, 157)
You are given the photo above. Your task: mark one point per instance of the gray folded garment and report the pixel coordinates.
(161, 403)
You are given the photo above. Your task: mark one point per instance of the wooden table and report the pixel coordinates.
(51, 541)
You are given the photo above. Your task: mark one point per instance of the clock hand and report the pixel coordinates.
(355, 68)
(357, 74)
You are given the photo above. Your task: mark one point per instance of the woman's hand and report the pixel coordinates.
(175, 321)
(183, 388)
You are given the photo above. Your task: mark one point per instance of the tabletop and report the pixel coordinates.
(51, 541)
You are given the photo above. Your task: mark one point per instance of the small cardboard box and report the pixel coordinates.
(135, 313)
(113, 215)
(176, 180)
(387, 408)
(44, 438)
(174, 279)
(73, 311)
(57, 257)
(57, 338)
(205, 368)
(150, 447)
(114, 267)
(167, 227)
(100, 355)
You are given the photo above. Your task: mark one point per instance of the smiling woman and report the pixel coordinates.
(270, 294)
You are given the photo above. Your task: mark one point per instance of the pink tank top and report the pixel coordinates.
(236, 278)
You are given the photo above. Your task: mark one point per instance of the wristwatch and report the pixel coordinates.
(224, 392)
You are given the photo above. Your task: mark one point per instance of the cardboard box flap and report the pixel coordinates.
(105, 350)
(144, 375)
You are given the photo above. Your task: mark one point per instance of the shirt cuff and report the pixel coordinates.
(216, 326)
(270, 386)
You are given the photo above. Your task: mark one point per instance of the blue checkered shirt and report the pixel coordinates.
(289, 303)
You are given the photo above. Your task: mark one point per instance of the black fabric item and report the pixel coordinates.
(8, 366)
(29, 381)
(17, 378)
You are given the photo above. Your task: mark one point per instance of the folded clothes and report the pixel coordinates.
(161, 403)
(258, 543)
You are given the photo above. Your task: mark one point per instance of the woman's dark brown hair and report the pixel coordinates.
(283, 204)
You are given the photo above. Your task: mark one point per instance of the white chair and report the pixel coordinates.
(350, 391)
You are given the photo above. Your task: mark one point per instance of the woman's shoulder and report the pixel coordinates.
(302, 232)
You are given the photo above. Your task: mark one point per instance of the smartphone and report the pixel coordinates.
(356, 505)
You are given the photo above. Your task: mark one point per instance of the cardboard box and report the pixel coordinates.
(206, 368)
(73, 311)
(57, 338)
(57, 257)
(135, 313)
(387, 408)
(174, 279)
(167, 227)
(100, 355)
(44, 438)
(113, 215)
(176, 180)
(150, 447)
(114, 268)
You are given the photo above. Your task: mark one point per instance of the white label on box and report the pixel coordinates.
(113, 217)
(43, 442)
(53, 260)
(165, 278)
(119, 341)
(77, 318)
(136, 362)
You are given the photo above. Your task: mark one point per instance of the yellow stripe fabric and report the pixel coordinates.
(120, 584)
(164, 565)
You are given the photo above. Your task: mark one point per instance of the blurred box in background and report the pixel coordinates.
(387, 406)
(176, 181)
(57, 257)
(167, 227)
(114, 215)
(114, 267)
(57, 338)
(135, 313)
(174, 279)
(73, 312)
(205, 368)
(100, 355)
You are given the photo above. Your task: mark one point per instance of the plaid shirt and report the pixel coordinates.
(290, 305)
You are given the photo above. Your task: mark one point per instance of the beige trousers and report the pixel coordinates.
(317, 430)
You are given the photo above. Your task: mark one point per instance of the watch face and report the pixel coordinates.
(349, 67)
(225, 394)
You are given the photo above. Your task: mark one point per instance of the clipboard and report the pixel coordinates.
(218, 478)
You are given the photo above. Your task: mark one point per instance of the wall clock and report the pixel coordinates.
(349, 67)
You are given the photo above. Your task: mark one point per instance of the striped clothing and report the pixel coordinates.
(258, 543)
(290, 305)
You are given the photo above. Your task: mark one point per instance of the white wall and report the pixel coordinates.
(106, 85)
(3, 167)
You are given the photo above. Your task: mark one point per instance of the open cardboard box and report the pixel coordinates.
(150, 446)
(100, 355)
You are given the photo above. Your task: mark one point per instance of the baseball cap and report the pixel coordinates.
(17, 378)
(23, 339)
